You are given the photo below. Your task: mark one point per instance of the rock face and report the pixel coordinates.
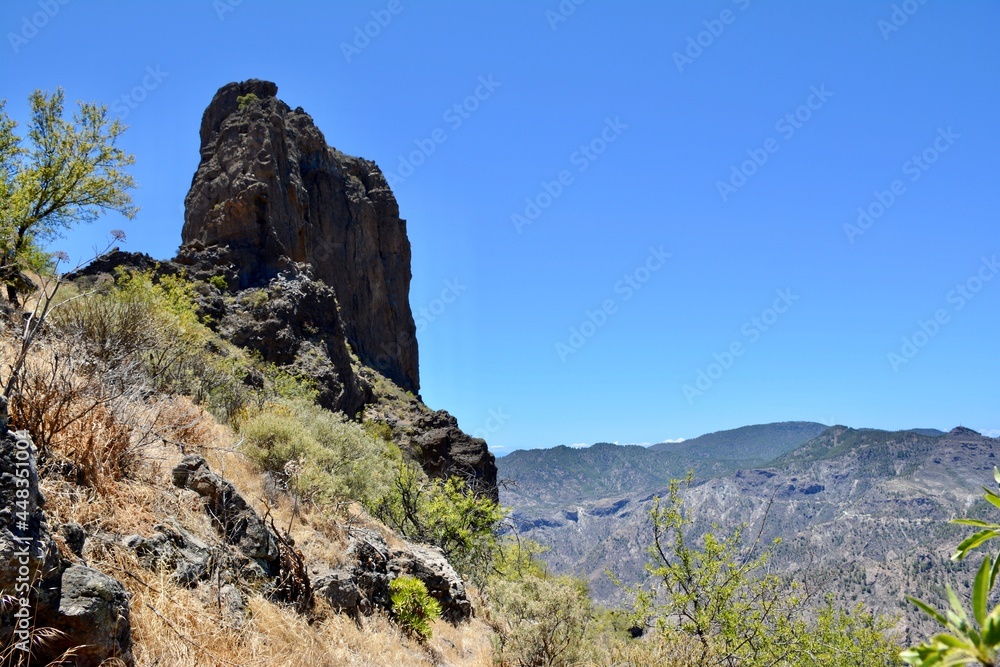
(363, 586)
(90, 609)
(230, 512)
(271, 190)
(448, 451)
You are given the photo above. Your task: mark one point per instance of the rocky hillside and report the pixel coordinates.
(197, 447)
(862, 512)
(300, 256)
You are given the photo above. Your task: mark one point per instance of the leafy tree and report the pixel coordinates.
(720, 596)
(69, 173)
(969, 640)
(447, 514)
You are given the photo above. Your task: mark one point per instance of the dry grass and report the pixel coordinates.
(173, 626)
(123, 451)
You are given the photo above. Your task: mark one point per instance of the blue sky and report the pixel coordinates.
(642, 220)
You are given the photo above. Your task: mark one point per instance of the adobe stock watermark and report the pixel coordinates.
(363, 35)
(626, 288)
(449, 294)
(455, 116)
(913, 168)
(958, 297)
(714, 28)
(562, 12)
(31, 25)
(495, 420)
(581, 158)
(124, 105)
(21, 513)
(223, 7)
(901, 13)
(786, 126)
(751, 331)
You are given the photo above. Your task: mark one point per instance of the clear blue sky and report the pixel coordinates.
(674, 127)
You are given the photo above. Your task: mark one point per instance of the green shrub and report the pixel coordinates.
(219, 282)
(447, 514)
(412, 606)
(138, 319)
(244, 100)
(332, 459)
(378, 430)
(539, 621)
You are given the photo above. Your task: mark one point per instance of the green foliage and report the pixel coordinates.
(412, 606)
(719, 596)
(447, 514)
(974, 639)
(137, 325)
(219, 282)
(539, 620)
(517, 558)
(70, 172)
(378, 430)
(320, 455)
(244, 100)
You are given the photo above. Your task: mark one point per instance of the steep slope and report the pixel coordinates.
(299, 255)
(863, 511)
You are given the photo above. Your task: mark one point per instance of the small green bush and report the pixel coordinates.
(539, 621)
(334, 459)
(219, 282)
(412, 606)
(447, 514)
(244, 100)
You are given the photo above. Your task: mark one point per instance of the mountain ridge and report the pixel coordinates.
(863, 510)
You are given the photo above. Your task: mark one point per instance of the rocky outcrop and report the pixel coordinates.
(362, 586)
(447, 451)
(272, 191)
(298, 253)
(174, 548)
(263, 552)
(293, 322)
(429, 565)
(230, 512)
(90, 610)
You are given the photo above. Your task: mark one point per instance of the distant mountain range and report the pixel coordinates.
(864, 511)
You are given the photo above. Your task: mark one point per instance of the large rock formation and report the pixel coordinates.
(314, 264)
(271, 189)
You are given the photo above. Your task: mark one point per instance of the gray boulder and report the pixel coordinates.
(174, 548)
(94, 616)
(230, 512)
(340, 591)
(429, 565)
(90, 610)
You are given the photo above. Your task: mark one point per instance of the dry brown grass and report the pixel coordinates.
(123, 450)
(173, 626)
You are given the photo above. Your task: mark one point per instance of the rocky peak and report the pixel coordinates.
(963, 432)
(272, 191)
